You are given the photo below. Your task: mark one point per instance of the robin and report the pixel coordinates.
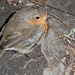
(24, 30)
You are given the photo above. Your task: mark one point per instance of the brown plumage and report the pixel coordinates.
(24, 30)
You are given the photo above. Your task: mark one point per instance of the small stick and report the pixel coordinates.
(48, 4)
(27, 56)
(70, 44)
(60, 20)
(37, 3)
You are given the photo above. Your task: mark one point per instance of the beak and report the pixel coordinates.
(48, 16)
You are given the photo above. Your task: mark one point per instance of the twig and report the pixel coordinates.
(70, 44)
(37, 3)
(68, 70)
(48, 4)
(60, 20)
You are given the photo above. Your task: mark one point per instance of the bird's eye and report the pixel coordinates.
(37, 17)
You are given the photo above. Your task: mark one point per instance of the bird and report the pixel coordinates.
(24, 30)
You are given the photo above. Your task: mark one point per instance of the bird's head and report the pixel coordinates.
(38, 17)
